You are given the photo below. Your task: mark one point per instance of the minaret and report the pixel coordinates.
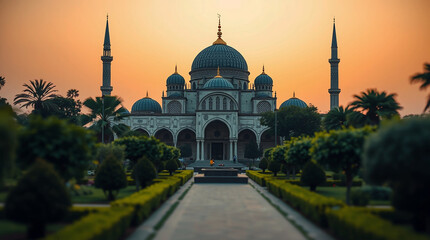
(334, 69)
(107, 59)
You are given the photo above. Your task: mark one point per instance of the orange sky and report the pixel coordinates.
(381, 44)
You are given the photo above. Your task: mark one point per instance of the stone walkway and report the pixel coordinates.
(226, 211)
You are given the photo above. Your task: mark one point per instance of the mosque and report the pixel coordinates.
(218, 113)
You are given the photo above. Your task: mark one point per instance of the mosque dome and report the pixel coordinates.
(123, 111)
(294, 102)
(218, 82)
(146, 105)
(175, 79)
(219, 55)
(263, 79)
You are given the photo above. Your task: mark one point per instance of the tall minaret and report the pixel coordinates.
(107, 59)
(334, 69)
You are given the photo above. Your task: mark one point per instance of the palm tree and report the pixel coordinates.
(376, 105)
(2, 81)
(72, 93)
(37, 95)
(112, 111)
(343, 117)
(424, 79)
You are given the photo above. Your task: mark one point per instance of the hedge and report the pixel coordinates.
(352, 223)
(311, 204)
(104, 225)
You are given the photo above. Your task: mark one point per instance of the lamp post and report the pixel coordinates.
(103, 118)
(276, 128)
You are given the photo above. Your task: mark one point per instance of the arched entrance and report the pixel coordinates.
(245, 137)
(186, 141)
(141, 132)
(267, 140)
(164, 136)
(217, 141)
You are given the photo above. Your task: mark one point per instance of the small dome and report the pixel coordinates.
(263, 79)
(146, 105)
(218, 82)
(175, 79)
(123, 111)
(294, 102)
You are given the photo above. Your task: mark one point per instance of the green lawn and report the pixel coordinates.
(340, 193)
(98, 196)
(16, 229)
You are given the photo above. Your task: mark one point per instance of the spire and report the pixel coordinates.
(294, 94)
(176, 69)
(219, 41)
(334, 40)
(147, 94)
(106, 45)
(263, 70)
(217, 74)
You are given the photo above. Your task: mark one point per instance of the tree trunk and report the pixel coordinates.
(111, 197)
(312, 187)
(36, 230)
(294, 173)
(348, 175)
(274, 174)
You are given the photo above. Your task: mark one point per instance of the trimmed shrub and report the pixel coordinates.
(313, 175)
(39, 198)
(359, 197)
(398, 154)
(378, 192)
(263, 164)
(275, 167)
(144, 172)
(171, 166)
(110, 177)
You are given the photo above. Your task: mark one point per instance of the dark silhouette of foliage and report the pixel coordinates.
(398, 155)
(297, 153)
(8, 143)
(110, 177)
(275, 167)
(2, 81)
(39, 198)
(104, 150)
(144, 172)
(376, 105)
(263, 164)
(424, 79)
(37, 95)
(343, 117)
(293, 121)
(186, 150)
(313, 175)
(68, 147)
(171, 166)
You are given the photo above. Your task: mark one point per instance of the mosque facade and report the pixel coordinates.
(218, 113)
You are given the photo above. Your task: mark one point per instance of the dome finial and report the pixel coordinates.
(217, 74)
(219, 40)
(176, 69)
(147, 94)
(294, 94)
(263, 70)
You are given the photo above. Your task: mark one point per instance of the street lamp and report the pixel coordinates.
(103, 118)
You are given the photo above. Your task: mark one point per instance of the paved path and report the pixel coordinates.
(226, 211)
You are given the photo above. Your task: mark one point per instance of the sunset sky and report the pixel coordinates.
(381, 45)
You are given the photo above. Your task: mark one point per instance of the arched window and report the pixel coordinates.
(210, 104)
(217, 103)
(224, 104)
(194, 86)
(231, 105)
(204, 105)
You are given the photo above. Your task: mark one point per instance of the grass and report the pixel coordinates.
(340, 193)
(98, 196)
(12, 228)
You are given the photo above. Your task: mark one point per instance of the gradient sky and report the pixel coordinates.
(381, 44)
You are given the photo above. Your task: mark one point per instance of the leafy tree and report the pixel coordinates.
(398, 155)
(3, 101)
(97, 120)
(340, 149)
(343, 117)
(298, 153)
(2, 81)
(376, 105)
(110, 177)
(275, 167)
(67, 146)
(186, 150)
(424, 79)
(104, 150)
(252, 151)
(171, 166)
(39, 198)
(37, 95)
(278, 154)
(8, 144)
(263, 164)
(313, 175)
(293, 121)
(66, 108)
(144, 172)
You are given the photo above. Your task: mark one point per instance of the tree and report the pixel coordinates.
(278, 154)
(8, 143)
(171, 166)
(398, 155)
(252, 151)
(112, 110)
(110, 177)
(263, 164)
(186, 150)
(2, 81)
(68, 147)
(104, 150)
(343, 117)
(376, 105)
(66, 108)
(3, 101)
(313, 175)
(424, 79)
(340, 149)
(275, 167)
(37, 95)
(297, 153)
(39, 198)
(144, 172)
(293, 121)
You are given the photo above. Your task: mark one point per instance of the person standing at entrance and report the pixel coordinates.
(234, 159)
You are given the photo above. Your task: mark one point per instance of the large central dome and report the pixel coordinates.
(219, 55)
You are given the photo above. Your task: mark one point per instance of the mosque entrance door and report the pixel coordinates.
(217, 151)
